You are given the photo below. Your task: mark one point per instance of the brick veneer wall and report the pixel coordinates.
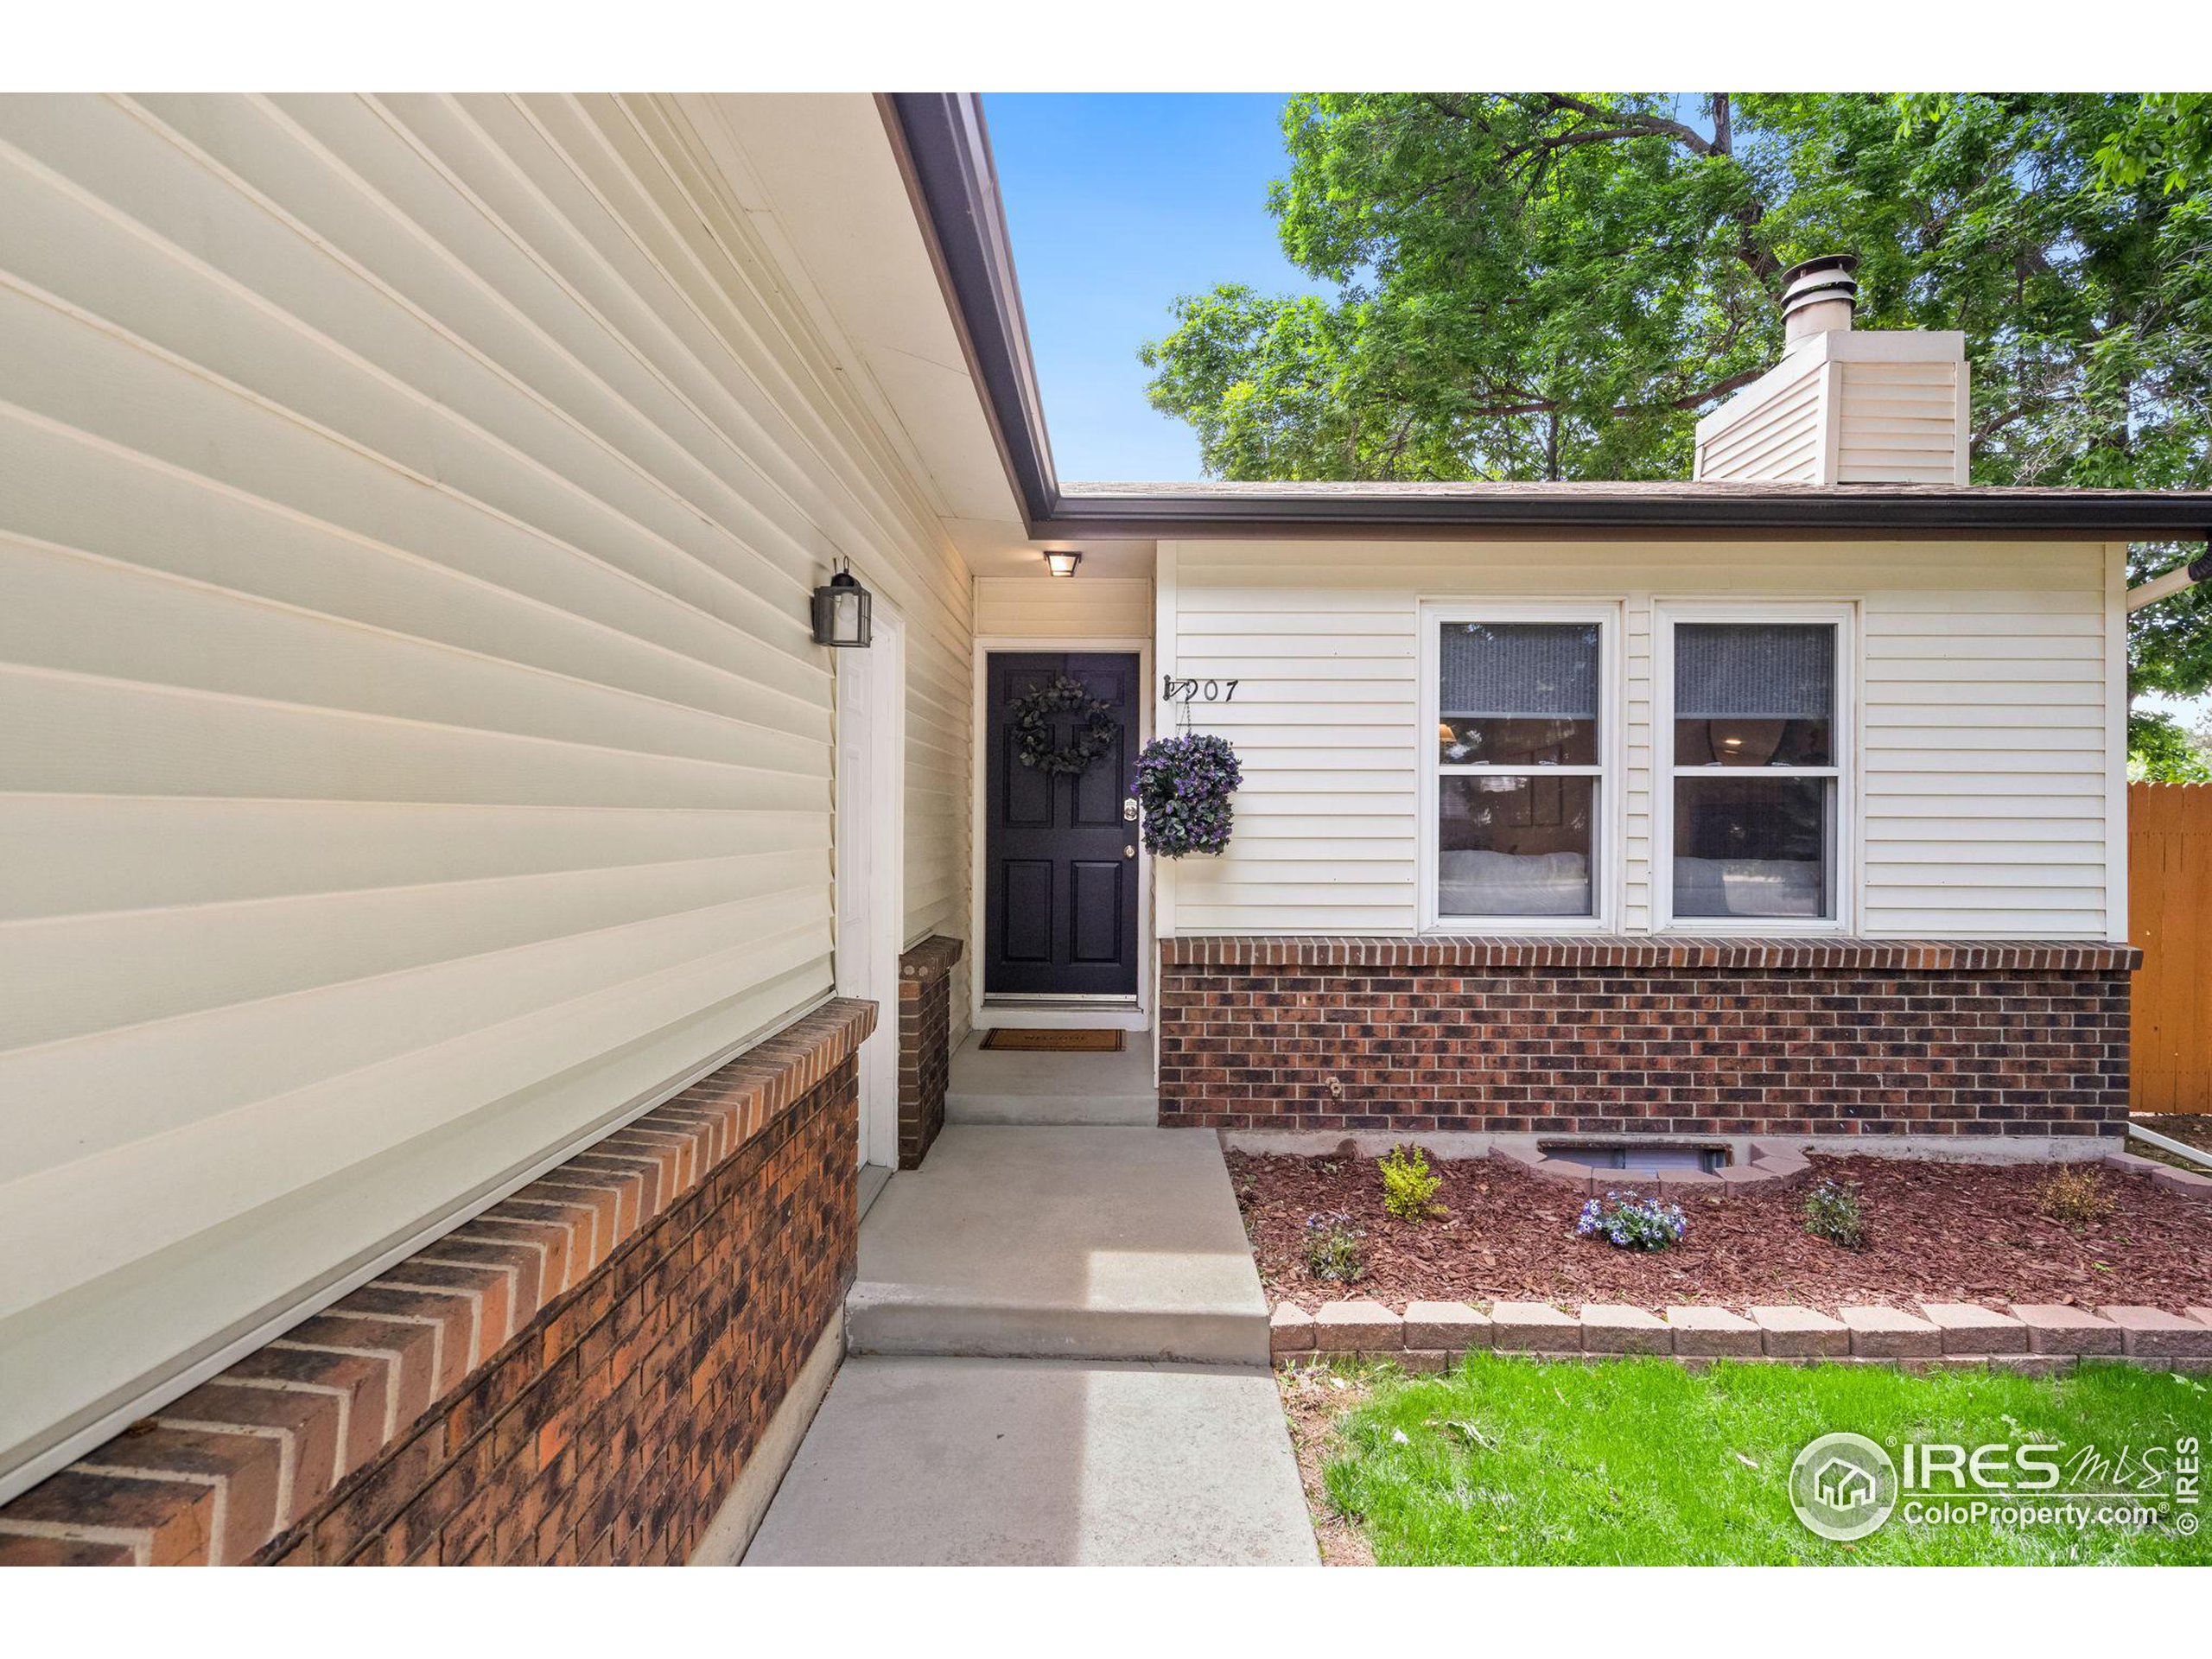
(925, 1044)
(577, 1375)
(1617, 1036)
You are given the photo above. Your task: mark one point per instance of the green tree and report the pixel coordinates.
(2167, 138)
(2160, 751)
(1556, 285)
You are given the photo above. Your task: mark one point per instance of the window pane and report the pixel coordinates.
(1752, 845)
(1513, 846)
(1754, 694)
(1479, 741)
(1517, 693)
(1745, 742)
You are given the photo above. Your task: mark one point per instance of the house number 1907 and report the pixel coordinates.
(1180, 691)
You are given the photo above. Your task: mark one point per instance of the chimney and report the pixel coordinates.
(1844, 406)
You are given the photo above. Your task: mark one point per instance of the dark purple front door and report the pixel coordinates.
(1059, 853)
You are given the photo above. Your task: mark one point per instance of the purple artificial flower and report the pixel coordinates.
(1183, 784)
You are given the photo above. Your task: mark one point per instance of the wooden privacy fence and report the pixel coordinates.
(2170, 916)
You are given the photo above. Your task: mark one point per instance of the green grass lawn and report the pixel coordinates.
(1514, 1461)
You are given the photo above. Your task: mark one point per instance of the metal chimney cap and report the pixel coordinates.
(1845, 263)
(1819, 296)
(1827, 277)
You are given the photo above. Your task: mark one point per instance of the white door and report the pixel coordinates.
(870, 857)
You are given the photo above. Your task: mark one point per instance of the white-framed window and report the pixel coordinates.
(1755, 739)
(1520, 775)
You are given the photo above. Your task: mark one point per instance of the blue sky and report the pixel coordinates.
(1118, 202)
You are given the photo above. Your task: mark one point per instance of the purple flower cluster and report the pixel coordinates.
(1628, 1222)
(1184, 784)
(1334, 1249)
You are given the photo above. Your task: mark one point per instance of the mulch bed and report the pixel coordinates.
(1936, 1232)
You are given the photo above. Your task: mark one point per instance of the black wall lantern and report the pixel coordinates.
(840, 611)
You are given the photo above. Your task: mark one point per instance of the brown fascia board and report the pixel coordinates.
(1663, 511)
(945, 158)
(944, 153)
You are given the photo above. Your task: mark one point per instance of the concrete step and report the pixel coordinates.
(1061, 1242)
(892, 1320)
(979, 1070)
(1103, 1112)
(1009, 1086)
(983, 1462)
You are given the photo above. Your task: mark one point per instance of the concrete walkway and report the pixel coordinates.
(1058, 1353)
(1000, 1462)
(1073, 1243)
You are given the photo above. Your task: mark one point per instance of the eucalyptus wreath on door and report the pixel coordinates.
(1035, 717)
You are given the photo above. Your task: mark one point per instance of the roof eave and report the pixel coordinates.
(1839, 515)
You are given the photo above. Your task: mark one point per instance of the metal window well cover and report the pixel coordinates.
(1642, 1161)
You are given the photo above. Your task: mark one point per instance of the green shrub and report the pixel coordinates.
(1334, 1249)
(1833, 1211)
(1408, 1189)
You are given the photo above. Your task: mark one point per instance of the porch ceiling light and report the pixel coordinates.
(842, 610)
(1062, 563)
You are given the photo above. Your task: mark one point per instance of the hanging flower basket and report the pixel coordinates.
(1034, 717)
(1184, 784)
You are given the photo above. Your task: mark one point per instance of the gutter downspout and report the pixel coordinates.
(2166, 1143)
(2177, 580)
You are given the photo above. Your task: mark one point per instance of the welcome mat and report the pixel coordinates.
(1052, 1042)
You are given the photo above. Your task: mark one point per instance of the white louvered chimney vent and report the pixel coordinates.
(1843, 406)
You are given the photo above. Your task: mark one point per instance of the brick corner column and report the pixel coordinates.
(925, 1044)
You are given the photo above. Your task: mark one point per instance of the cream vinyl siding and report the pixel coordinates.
(1901, 422)
(1984, 766)
(1779, 440)
(413, 758)
(1057, 608)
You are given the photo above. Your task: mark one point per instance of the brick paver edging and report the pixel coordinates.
(352, 1409)
(2028, 1337)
